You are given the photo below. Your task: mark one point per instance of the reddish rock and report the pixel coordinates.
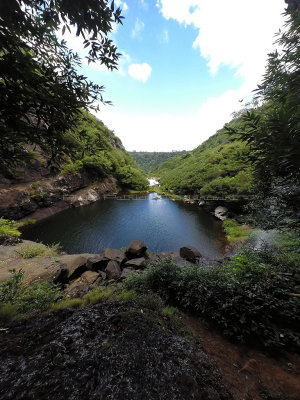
(113, 270)
(190, 253)
(90, 277)
(77, 289)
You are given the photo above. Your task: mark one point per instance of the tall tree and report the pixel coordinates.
(41, 90)
(273, 130)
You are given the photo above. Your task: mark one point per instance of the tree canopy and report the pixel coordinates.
(273, 130)
(41, 91)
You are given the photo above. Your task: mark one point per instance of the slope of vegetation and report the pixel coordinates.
(148, 161)
(219, 166)
(98, 151)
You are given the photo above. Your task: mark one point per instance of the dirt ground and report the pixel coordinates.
(248, 373)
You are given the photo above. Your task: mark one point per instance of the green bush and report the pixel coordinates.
(11, 289)
(71, 168)
(8, 227)
(248, 298)
(18, 299)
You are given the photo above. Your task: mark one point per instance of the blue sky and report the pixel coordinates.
(185, 66)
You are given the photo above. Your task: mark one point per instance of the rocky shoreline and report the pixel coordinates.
(48, 196)
(78, 273)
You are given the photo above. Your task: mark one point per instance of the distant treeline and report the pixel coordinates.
(148, 161)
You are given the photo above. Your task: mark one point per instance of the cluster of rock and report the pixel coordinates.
(114, 265)
(77, 273)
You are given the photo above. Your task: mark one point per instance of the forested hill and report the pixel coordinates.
(148, 161)
(90, 148)
(219, 166)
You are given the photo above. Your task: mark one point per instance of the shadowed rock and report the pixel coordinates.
(114, 255)
(136, 263)
(190, 253)
(113, 270)
(136, 249)
(97, 262)
(109, 351)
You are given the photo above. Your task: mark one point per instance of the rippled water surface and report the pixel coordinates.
(162, 224)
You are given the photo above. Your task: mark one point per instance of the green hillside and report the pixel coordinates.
(148, 161)
(98, 151)
(219, 166)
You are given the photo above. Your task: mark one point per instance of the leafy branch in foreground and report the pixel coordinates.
(41, 91)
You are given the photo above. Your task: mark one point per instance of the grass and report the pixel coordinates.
(234, 231)
(31, 250)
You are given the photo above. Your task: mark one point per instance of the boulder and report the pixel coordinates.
(113, 270)
(136, 249)
(136, 263)
(126, 272)
(114, 255)
(221, 213)
(76, 289)
(90, 277)
(97, 263)
(74, 264)
(190, 253)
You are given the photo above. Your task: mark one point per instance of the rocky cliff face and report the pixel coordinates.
(48, 196)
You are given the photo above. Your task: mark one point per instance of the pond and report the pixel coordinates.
(163, 225)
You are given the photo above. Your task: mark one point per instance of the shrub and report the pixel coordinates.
(8, 227)
(71, 168)
(38, 298)
(11, 289)
(16, 298)
(248, 298)
(126, 295)
(31, 250)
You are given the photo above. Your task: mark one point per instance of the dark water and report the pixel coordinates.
(161, 224)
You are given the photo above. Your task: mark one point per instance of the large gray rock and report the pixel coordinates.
(76, 289)
(114, 255)
(190, 253)
(136, 249)
(221, 213)
(113, 270)
(136, 263)
(97, 262)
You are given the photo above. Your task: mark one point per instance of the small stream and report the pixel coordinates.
(163, 225)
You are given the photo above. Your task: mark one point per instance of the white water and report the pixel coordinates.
(153, 182)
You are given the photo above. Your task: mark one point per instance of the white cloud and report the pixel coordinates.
(122, 4)
(138, 28)
(172, 131)
(236, 33)
(141, 72)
